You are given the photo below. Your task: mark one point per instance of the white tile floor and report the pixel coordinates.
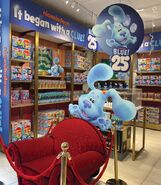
(146, 170)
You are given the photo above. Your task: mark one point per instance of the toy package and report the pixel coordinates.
(16, 73)
(16, 130)
(26, 129)
(49, 118)
(45, 60)
(15, 97)
(26, 73)
(23, 54)
(21, 43)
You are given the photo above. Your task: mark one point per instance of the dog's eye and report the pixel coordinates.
(91, 99)
(119, 30)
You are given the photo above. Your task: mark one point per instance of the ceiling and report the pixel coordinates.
(90, 9)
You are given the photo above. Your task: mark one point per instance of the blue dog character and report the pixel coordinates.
(120, 34)
(56, 69)
(90, 106)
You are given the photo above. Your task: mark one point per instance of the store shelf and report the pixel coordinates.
(148, 85)
(21, 81)
(22, 105)
(21, 60)
(49, 76)
(75, 69)
(148, 72)
(116, 80)
(51, 103)
(149, 99)
(77, 83)
(51, 88)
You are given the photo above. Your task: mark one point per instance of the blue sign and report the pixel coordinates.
(35, 17)
(119, 31)
(4, 70)
(151, 42)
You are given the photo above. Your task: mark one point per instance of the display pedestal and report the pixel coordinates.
(116, 180)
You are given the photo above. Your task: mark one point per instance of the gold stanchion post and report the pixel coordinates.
(116, 180)
(64, 155)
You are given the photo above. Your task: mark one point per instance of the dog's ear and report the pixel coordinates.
(123, 109)
(117, 13)
(100, 72)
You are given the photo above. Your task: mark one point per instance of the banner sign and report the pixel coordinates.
(35, 17)
(4, 70)
(151, 42)
(119, 31)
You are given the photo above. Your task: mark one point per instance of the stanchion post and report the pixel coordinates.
(116, 180)
(64, 155)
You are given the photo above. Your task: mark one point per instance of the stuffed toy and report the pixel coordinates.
(120, 33)
(90, 106)
(56, 69)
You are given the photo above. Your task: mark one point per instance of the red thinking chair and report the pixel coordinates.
(35, 160)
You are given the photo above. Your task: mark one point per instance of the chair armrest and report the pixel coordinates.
(28, 150)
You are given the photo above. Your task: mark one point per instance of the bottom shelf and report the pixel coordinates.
(149, 126)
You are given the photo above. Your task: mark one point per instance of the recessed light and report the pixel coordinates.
(77, 10)
(140, 10)
(153, 25)
(66, 2)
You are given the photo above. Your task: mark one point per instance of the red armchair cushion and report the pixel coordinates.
(32, 149)
(88, 163)
(39, 165)
(80, 135)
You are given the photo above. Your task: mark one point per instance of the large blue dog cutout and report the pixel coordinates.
(120, 34)
(90, 106)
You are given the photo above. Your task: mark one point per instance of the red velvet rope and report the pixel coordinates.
(80, 179)
(19, 172)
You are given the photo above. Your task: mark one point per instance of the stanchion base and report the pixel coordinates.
(101, 183)
(113, 182)
(1, 183)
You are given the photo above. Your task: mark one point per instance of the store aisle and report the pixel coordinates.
(146, 170)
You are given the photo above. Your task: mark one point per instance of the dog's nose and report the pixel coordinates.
(87, 104)
(123, 33)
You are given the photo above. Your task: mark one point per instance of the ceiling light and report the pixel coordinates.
(78, 9)
(153, 25)
(140, 10)
(66, 2)
(73, 4)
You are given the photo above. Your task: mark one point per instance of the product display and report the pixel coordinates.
(51, 84)
(148, 80)
(149, 64)
(78, 77)
(80, 61)
(21, 48)
(21, 73)
(21, 129)
(45, 60)
(49, 118)
(115, 84)
(153, 115)
(57, 96)
(20, 97)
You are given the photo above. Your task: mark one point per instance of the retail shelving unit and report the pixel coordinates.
(19, 110)
(149, 89)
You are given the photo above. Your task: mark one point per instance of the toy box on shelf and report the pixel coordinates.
(49, 118)
(21, 129)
